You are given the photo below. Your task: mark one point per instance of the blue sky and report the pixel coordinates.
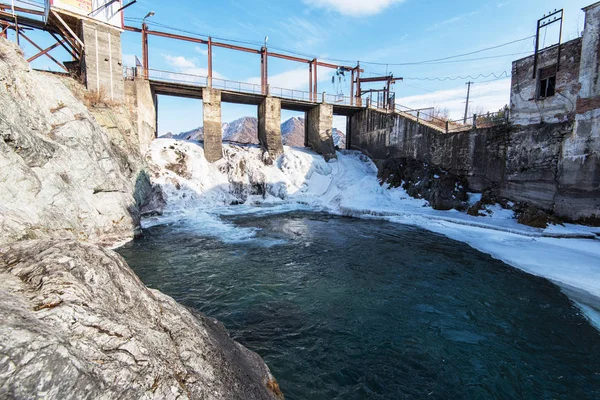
(372, 31)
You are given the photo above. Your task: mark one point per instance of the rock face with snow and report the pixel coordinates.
(61, 175)
(293, 132)
(242, 130)
(78, 324)
(339, 138)
(443, 190)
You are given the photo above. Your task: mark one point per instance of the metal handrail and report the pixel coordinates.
(422, 116)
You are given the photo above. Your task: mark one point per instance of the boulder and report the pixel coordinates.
(77, 323)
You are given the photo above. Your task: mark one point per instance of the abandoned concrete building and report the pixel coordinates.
(552, 87)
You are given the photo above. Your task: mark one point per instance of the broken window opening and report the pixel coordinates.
(547, 82)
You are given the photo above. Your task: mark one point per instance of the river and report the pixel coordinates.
(343, 308)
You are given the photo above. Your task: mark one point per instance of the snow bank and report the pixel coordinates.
(198, 193)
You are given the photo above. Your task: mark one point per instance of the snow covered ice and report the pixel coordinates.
(198, 192)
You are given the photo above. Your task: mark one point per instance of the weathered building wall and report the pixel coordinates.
(579, 167)
(102, 65)
(522, 163)
(525, 105)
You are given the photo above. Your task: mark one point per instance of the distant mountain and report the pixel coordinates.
(242, 130)
(245, 130)
(194, 134)
(292, 132)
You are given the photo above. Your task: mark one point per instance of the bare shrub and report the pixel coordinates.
(98, 98)
(441, 113)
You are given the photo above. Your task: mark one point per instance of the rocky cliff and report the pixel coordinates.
(78, 324)
(76, 321)
(61, 174)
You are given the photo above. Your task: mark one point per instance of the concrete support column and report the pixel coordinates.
(319, 122)
(102, 66)
(269, 127)
(142, 105)
(213, 134)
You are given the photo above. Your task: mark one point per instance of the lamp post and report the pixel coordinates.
(145, 43)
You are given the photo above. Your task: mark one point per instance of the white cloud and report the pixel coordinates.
(187, 70)
(489, 96)
(354, 7)
(452, 20)
(179, 61)
(295, 79)
(200, 50)
(295, 27)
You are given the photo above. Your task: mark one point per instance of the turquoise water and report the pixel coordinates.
(352, 309)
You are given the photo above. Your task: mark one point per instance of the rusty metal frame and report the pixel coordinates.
(63, 42)
(263, 52)
(21, 9)
(387, 93)
(44, 52)
(4, 30)
(541, 23)
(69, 34)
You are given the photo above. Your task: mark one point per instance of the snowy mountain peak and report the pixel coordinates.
(245, 130)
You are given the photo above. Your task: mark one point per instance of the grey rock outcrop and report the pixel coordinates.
(78, 324)
(443, 190)
(61, 174)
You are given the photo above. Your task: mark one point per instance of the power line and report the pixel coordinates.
(482, 58)
(295, 52)
(444, 58)
(503, 74)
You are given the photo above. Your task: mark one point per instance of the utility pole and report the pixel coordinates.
(467, 105)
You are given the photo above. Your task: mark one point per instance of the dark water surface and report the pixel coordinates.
(350, 309)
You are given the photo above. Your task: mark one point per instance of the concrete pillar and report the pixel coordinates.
(102, 66)
(142, 105)
(319, 122)
(213, 131)
(269, 127)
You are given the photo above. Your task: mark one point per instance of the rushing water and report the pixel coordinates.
(345, 309)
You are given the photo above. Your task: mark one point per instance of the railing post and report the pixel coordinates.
(323, 97)
(418, 114)
(447, 126)
(210, 69)
(268, 89)
(145, 49)
(474, 121)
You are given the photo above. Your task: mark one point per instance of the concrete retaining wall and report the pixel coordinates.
(547, 165)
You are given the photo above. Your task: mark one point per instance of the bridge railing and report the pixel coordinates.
(177, 77)
(422, 115)
(236, 86)
(292, 94)
(340, 99)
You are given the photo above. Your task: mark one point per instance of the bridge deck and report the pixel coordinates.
(194, 91)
